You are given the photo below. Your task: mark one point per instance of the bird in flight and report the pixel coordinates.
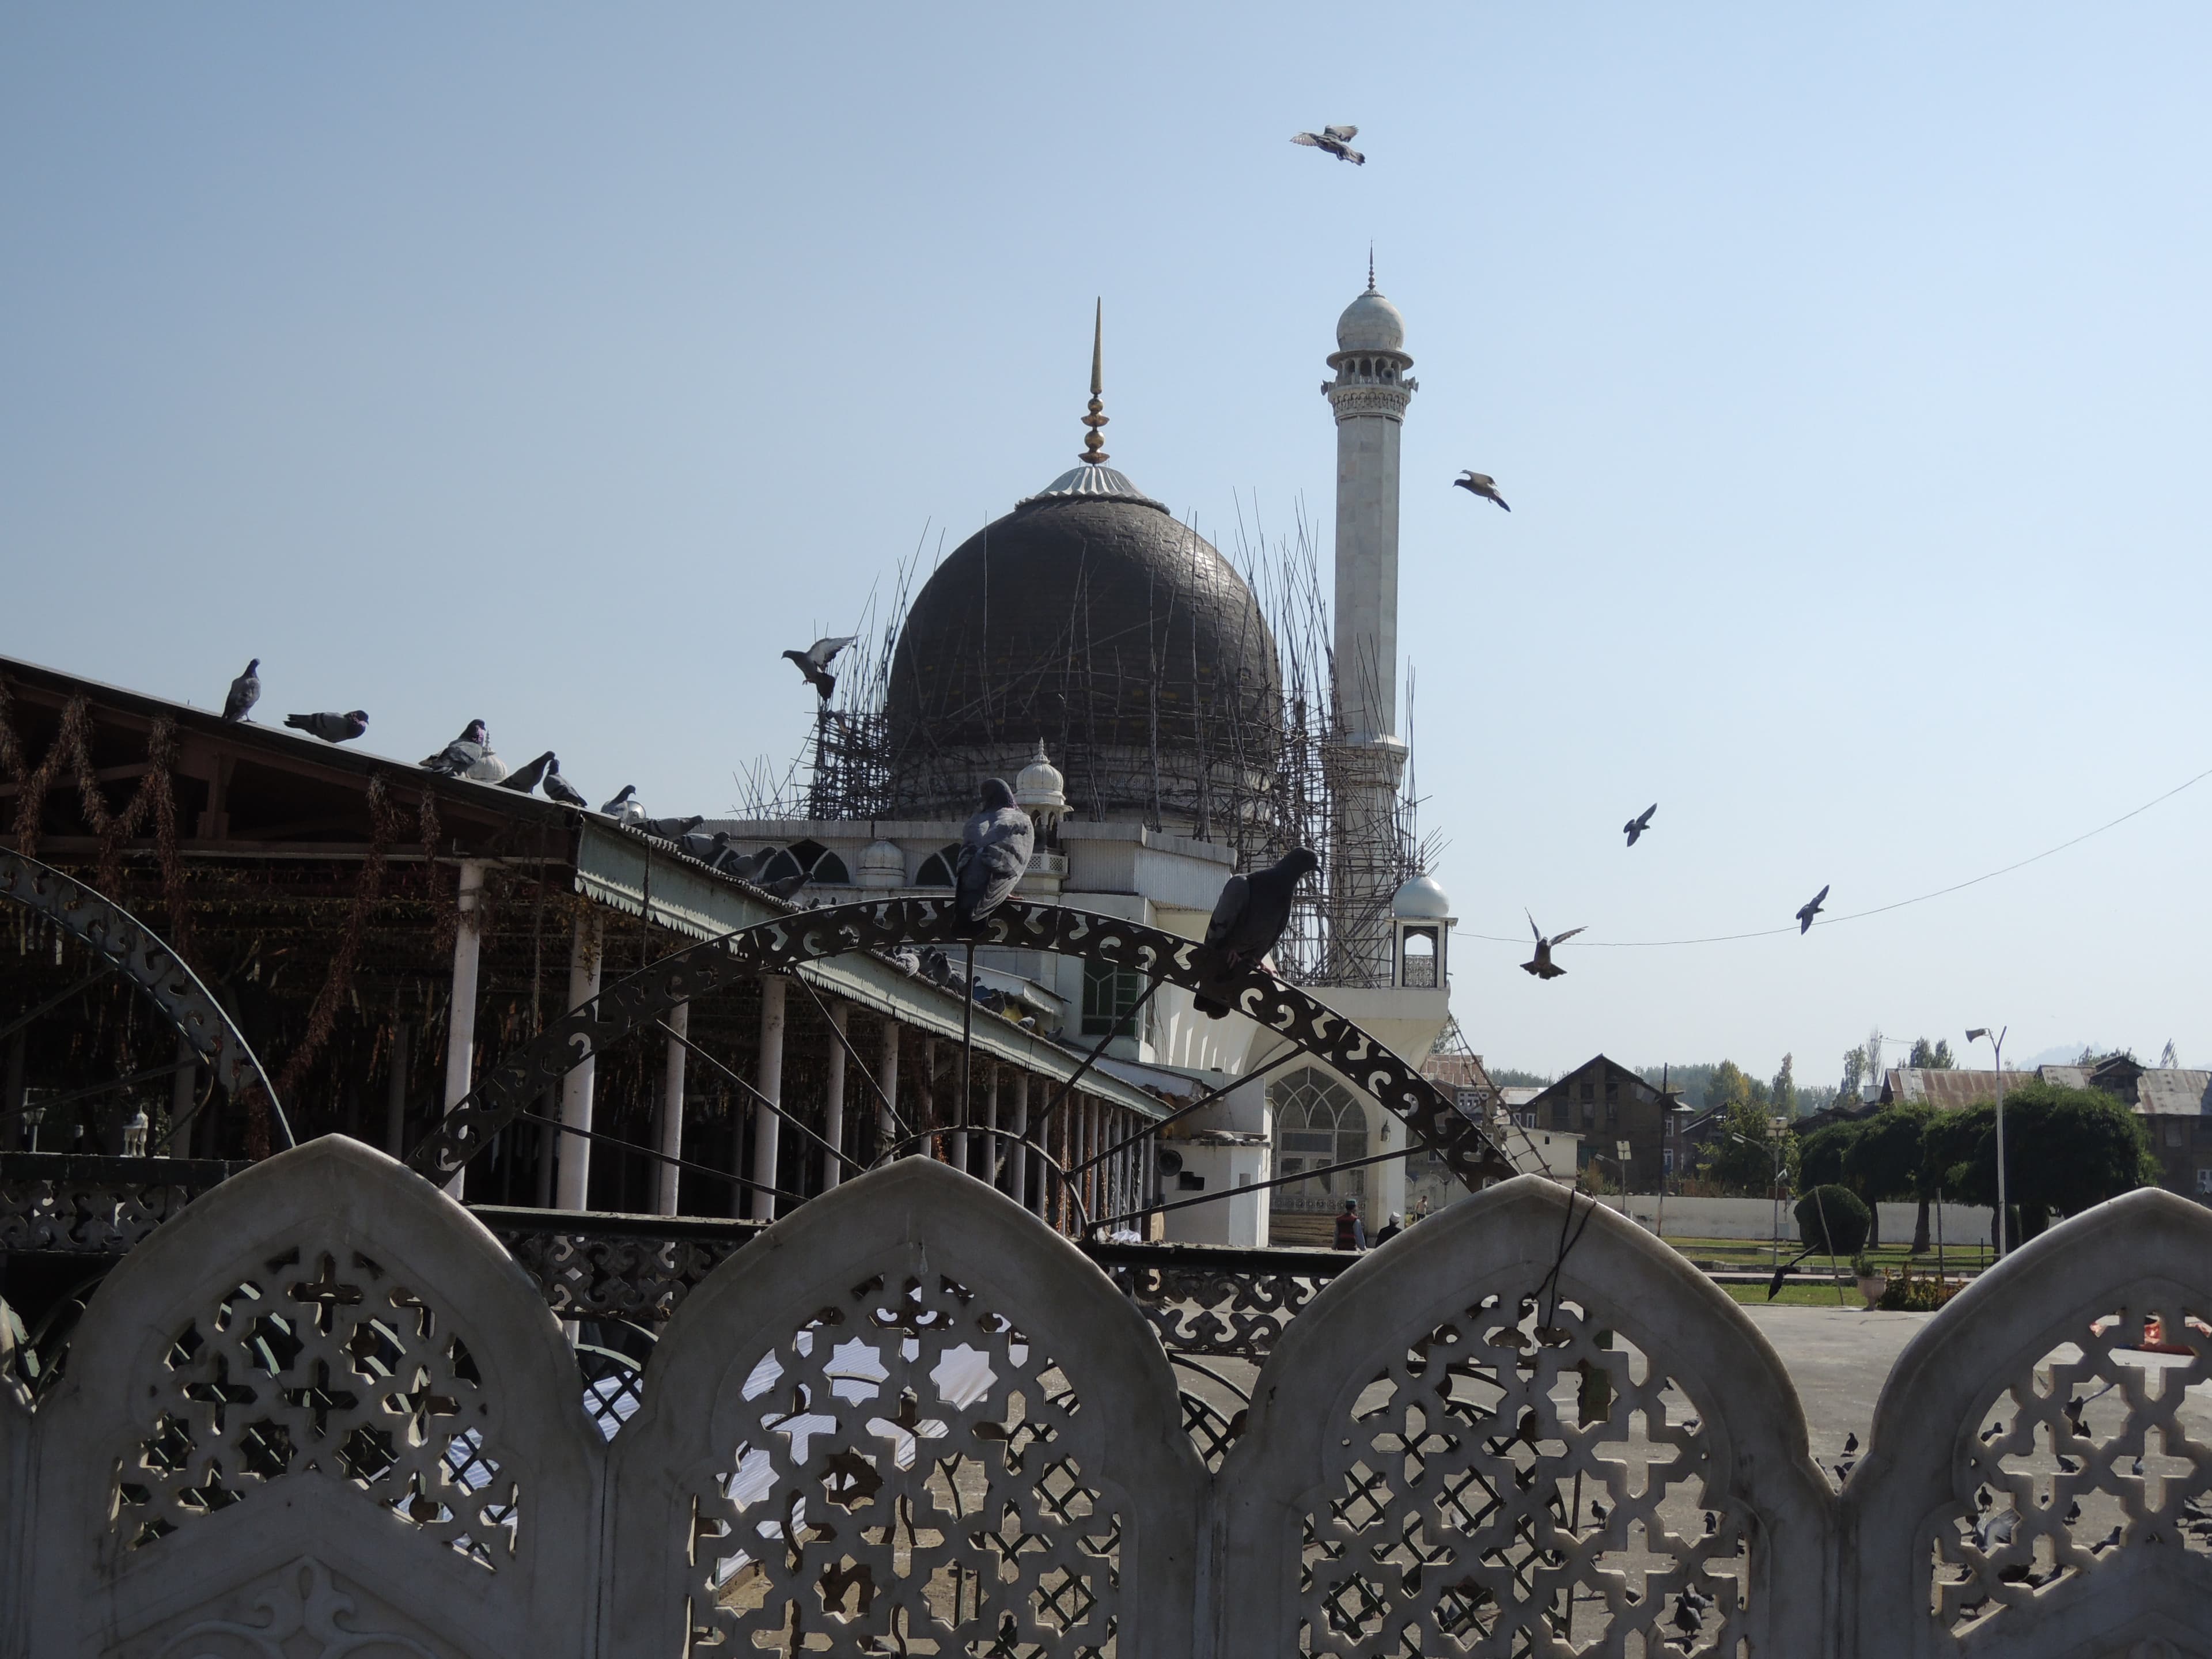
(1482, 485)
(1541, 964)
(1636, 826)
(1806, 915)
(1337, 141)
(814, 663)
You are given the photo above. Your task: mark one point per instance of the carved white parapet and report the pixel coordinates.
(1355, 401)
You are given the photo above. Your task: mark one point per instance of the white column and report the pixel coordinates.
(769, 1079)
(887, 1071)
(994, 1148)
(1018, 1147)
(572, 1188)
(671, 1106)
(461, 1026)
(833, 1088)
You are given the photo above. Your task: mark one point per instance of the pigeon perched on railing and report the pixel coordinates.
(814, 662)
(672, 829)
(1249, 916)
(1541, 964)
(1482, 485)
(995, 845)
(1811, 909)
(559, 788)
(1337, 141)
(330, 728)
(624, 808)
(245, 692)
(523, 779)
(1635, 827)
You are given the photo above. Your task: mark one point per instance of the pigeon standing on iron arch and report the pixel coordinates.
(995, 845)
(1249, 916)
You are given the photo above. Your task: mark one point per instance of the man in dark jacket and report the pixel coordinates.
(1350, 1235)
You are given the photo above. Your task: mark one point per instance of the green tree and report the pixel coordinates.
(1887, 1163)
(1854, 1074)
(1832, 1220)
(2065, 1150)
(1821, 1155)
(1934, 1057)
(1784, 1093)
(1729, 1087)
(1741, 1153)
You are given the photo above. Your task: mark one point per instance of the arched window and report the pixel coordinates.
(1418, 966)
(782, 867)
(1318, 1122)
(937, 869)
(820, 864)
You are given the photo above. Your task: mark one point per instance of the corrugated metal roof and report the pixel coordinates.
(2171, 1088)
(1946, 1089)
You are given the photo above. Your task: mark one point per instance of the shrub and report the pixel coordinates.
(1911, 1293)
(1847, 1221)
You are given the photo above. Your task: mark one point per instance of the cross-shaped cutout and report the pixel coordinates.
(318, 1399)
(325, 1294)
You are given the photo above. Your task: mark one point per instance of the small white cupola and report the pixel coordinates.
(1421, 918)
(882, 864)
(1039, 791)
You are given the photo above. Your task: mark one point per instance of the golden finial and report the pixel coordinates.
(1093, 450)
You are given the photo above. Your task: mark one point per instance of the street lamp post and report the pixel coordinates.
(1996, 1042)
(1776, 1188)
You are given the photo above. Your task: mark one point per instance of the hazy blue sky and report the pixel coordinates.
(1847, 369)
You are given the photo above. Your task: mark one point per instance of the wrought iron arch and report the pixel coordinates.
(141, 955)
(784, 943)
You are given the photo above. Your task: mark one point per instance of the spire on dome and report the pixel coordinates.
(1094, 452)
(1371, 267)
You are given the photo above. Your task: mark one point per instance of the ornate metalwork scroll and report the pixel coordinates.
(145, 958)
(1226, 1303)
(786, 942)
(638, 1269)
(95, 1206)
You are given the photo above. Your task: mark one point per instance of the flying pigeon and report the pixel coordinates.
(814, 662)
(1482, 485)
(1541, 964)
(559, 788)
(1337, 141)
(1249, 916)
(995, 845)
(1635, 827)
(245, 692)
(469, 756)
(1806, 915)
(523, 779)
(330, 728)
(672, 829)
(624, 808)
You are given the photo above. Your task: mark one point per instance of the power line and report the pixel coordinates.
(1879, 909)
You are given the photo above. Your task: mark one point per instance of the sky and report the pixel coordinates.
(1848, 369)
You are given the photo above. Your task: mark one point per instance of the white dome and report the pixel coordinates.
(882, 865)
(1370, 323)
(1421, 900)
(1039, 786)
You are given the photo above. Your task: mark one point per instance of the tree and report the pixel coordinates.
(1887, 1163)
(2065, 1150)
(1785, 1088)
(1743, 1150)
(1822, 1154)
(1854, 1073)
(1934, 1057)
(1832, 1220)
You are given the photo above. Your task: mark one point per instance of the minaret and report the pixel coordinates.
(1369, 397)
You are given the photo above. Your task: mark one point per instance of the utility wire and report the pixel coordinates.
(1860, 915)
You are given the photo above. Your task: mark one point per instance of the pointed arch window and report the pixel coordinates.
(937, 869)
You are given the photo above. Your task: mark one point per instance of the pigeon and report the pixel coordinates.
(695, 846)
(469, 756)
(749, 867)
(814, 662)
(787, 887)
(936, 966)
(1635, 827)
(245, 692)
(995, 845)
(523, 779)
(1712, 1523)
(1805, 916)
(1994, 1531)
(1690, 1610)
(1249, 916)
(1541, 964)
(1850, 1443)
(2110, 1539)
(672, 829)
(1482, 485)
(624, 808)
(330, 728)
(1337, 141)
(559, 788)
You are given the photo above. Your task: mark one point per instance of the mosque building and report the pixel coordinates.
(1105, 658)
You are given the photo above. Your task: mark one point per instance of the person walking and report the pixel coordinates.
(1350, 1234)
